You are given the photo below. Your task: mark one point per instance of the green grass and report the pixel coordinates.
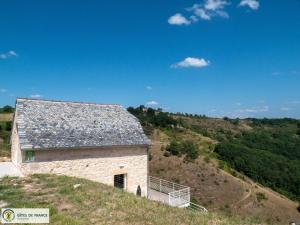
(94, 203)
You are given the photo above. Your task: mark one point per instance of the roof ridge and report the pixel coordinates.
(62, 101)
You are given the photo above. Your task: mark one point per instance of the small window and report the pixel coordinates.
(29, 156)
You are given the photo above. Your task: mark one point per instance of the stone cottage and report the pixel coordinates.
(103, 143)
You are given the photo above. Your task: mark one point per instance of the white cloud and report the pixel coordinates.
(210, 8)
(8, 54)
(178, 19)
(254, 110)
(247, 110)
(36, 96)
(3, 90)
(253, 4)
(222, 14)
(264, 109)
(191, 62)
(194, 18)
(202, 14)
(238, 104)
(12, 53)
(215, 4)
(285, 108)
(207, 9)
(295, 102)
(149, 88)
(152, 103)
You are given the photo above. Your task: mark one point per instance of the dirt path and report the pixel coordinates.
(248, 195)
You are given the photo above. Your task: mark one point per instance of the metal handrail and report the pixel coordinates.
(169, 186)
(165, 181)
(197, 207)
(179, 195)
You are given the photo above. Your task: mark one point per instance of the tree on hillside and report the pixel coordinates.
(150, 112)
(7, 109)
(187, 148)
(298, 131)
(174, 148)
(150, 116)
(8, 126)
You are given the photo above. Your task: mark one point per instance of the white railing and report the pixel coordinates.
(197, 207)
(178, 195)
(164, 186)
(180, 198)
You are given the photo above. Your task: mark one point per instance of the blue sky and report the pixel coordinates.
(214, 57)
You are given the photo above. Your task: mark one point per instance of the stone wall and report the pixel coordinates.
(95, 164)
(16, 156)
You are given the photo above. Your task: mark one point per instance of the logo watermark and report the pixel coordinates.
(24, 215)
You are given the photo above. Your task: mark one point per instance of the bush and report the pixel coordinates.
(195, 200)
(190, 149)
(150, 156)
(5, 126)
(226, 118)
(8, 126)
(298, 131)
(261, 196)
(187, 148)
(174, 148)
(233, 173)
(167, 154)
(221, 165)
(236, 122)
(207, 159)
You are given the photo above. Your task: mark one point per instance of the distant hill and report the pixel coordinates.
(6, 113)
(218, 156)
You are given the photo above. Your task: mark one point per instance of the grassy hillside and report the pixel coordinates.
(193, 150)
(266, 150)
(94, 203)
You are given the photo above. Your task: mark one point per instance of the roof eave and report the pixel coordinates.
(86, 147)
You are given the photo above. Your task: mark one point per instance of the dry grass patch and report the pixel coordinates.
(6, 117)
(94, 203)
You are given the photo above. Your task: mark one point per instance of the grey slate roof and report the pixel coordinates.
(46, 124)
